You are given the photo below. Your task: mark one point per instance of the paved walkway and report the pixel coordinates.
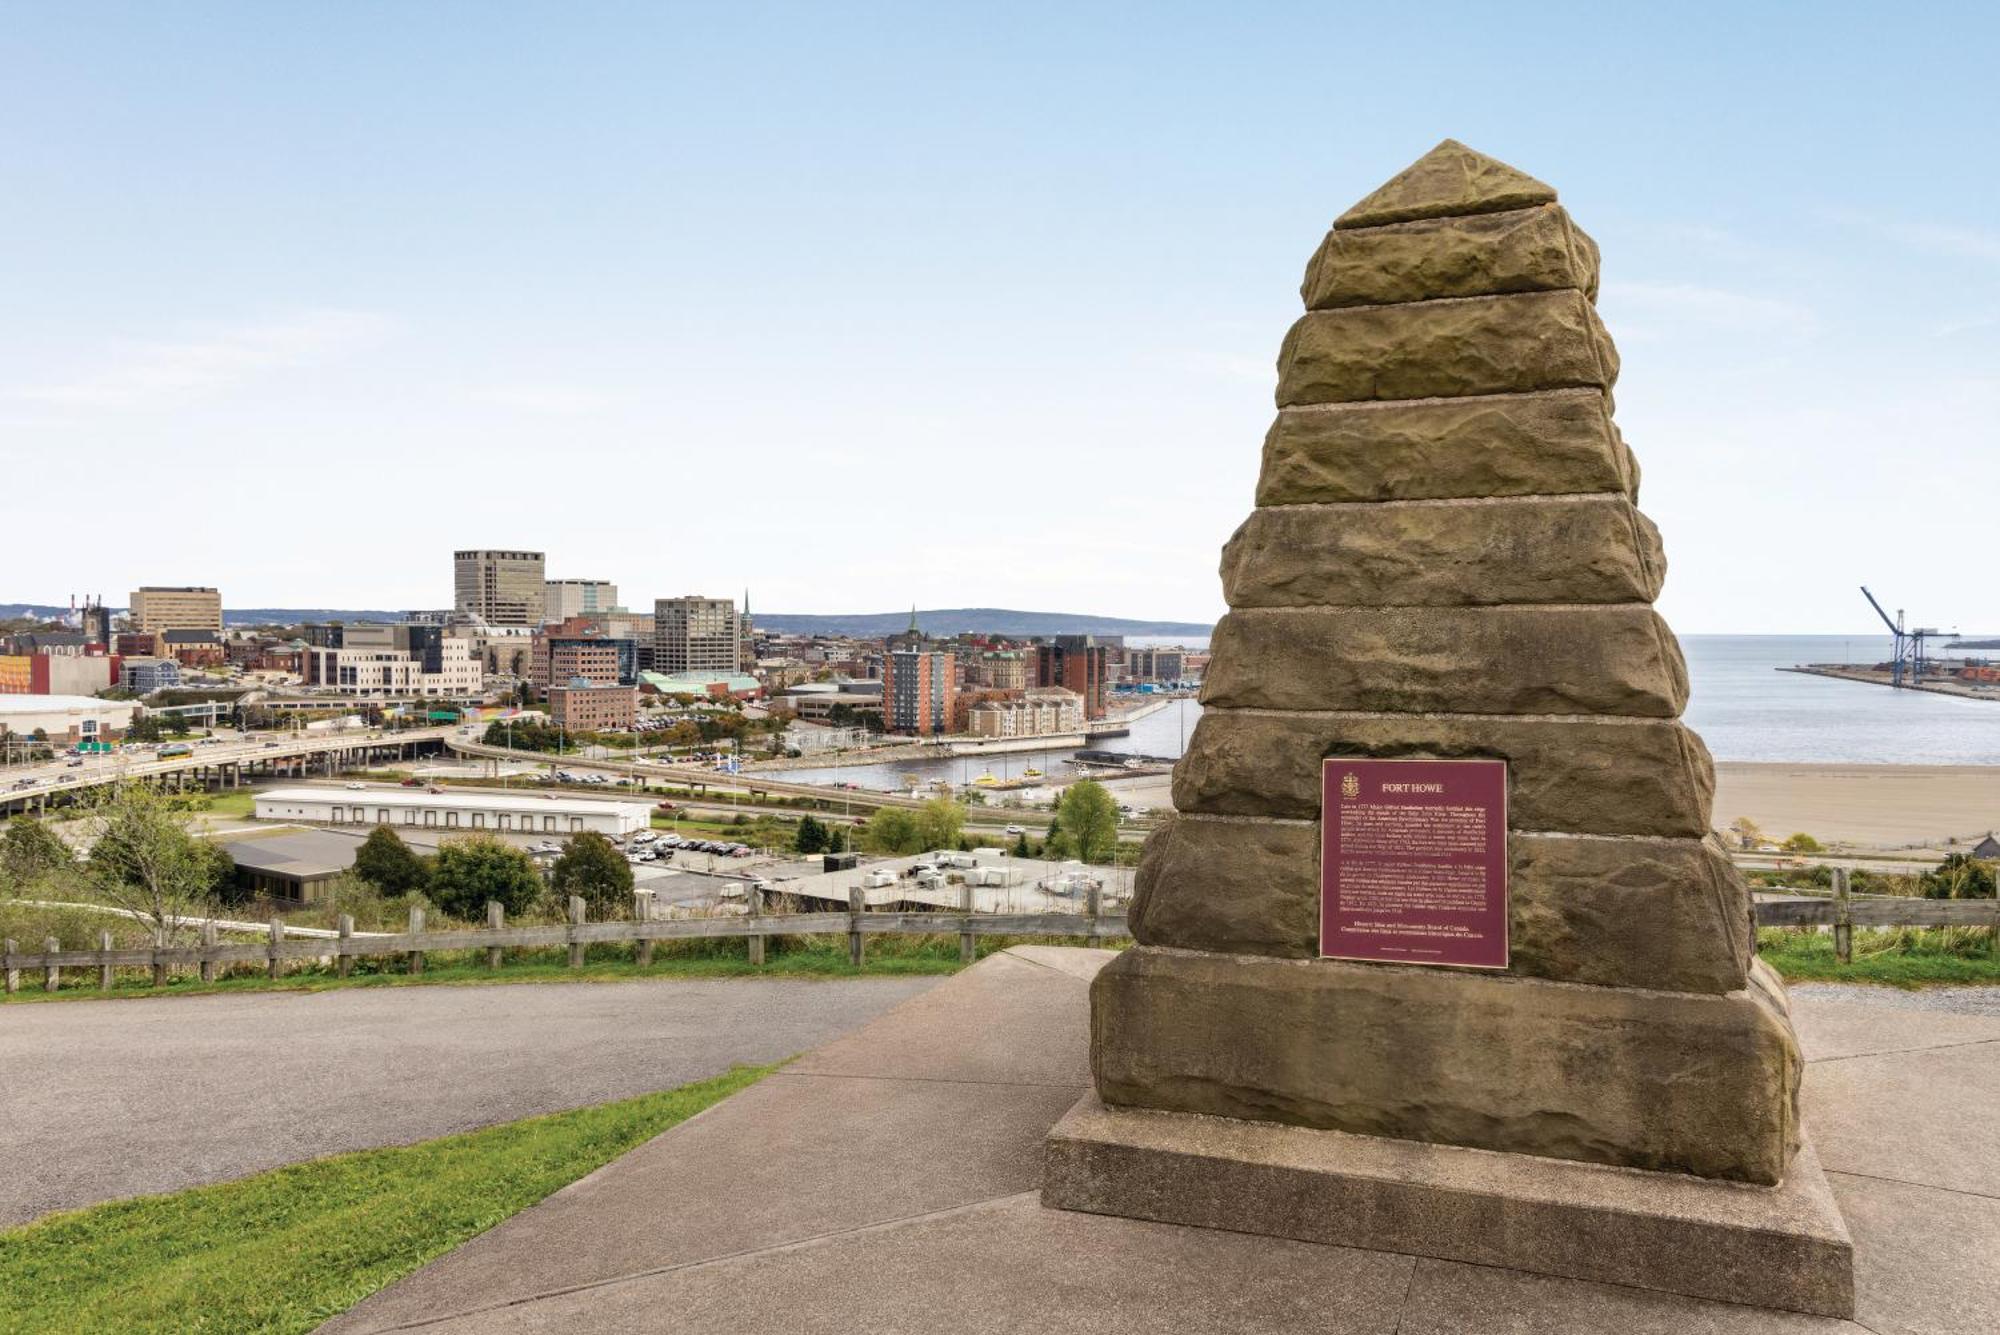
(887, 1183)
(104, 1099)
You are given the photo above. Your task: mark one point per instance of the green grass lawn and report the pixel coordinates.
(1902, 958)
(288, 1249)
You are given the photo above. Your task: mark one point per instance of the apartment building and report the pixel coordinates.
(159, 608)
(919, 691)
(1075, 663)
(500, 588)
(1043, 711)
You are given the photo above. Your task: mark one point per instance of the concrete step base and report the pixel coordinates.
(1783, 1247)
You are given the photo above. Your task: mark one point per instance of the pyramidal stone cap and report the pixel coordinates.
(1449, 181)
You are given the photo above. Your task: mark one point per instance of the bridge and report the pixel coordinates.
(221, 764)
(699, 781)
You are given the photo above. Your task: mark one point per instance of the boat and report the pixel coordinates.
(1031, 773)
(985, 781)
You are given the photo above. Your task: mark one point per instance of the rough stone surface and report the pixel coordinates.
(1576, 776)
(1667, 1081)
(1556, 443)
(1445, 349)
(1615, 660)
(1667, 914)
(1786, 1247)
(1450, 179)
(1580, 549)
(1526, 250)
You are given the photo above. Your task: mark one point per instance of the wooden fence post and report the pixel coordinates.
(104, 962)
(642, 912)
(496, 920)
(159, 966)
(576, 920)
(1843, 918)
(51, 974)
(207, 944)
(416, 957)
(12, 970)
(342, 960)
(276, 964)
(1096, 911)
(856, 902)
(968, 941)
(756, 939)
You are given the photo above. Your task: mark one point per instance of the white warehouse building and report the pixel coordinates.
(490, 812)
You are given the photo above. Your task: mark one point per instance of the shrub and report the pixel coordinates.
(591, 868)
(389, 864)
(470, 870)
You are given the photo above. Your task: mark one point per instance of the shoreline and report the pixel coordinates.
(1885, 807)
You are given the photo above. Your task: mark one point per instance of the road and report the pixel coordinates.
(106, 1099)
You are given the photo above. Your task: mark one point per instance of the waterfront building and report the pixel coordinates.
(919, 689)
(1042, 711)
(158, 608)
(1076, 663)
(566, 598)
(696, 634)
(1003, 669)
(500, 588)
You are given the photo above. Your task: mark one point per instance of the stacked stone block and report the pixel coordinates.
(1447, 560)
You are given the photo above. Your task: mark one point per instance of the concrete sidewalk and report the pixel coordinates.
(887, 1183)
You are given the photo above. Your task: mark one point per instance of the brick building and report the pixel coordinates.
(919, 689)
(583, 707)
(1075, 663)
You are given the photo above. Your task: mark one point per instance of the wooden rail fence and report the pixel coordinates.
(1840, 910)
(857, 923)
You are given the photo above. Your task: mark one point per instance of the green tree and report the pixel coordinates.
(144, 860)
(1800, 843)
(472, 869)
(893, 830)
(812, 836)
(29, 850)
(389, 864)
(593, 868)
(940, 821)
(1021, 849)
(1087, 821)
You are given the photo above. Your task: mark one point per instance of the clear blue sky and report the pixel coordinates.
(864, 305)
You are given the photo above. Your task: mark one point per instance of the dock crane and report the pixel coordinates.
(1907, 659)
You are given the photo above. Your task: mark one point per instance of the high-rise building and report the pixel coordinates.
(566, 598)
(696, 634)
(501, 588)
(159, 608)
(919, 690)
(1076, 663)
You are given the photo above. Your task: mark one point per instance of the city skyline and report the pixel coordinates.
(573, 277)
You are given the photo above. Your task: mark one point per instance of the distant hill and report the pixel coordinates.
(962, 620)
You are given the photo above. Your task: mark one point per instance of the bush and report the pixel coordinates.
(1960, 876)
(389, 864)
(593, 869)
(470, 870)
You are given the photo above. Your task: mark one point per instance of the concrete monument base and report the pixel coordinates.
(1782, 1247)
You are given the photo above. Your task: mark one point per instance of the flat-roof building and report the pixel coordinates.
(551, 813)
(696, 634)
(65, 718)
(158, 608)
(501, 588)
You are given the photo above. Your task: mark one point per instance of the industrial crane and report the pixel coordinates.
(1907, 658)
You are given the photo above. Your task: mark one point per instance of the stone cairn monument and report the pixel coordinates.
(1505, 1011)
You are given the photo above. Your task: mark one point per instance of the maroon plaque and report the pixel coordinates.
(1413, 862)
